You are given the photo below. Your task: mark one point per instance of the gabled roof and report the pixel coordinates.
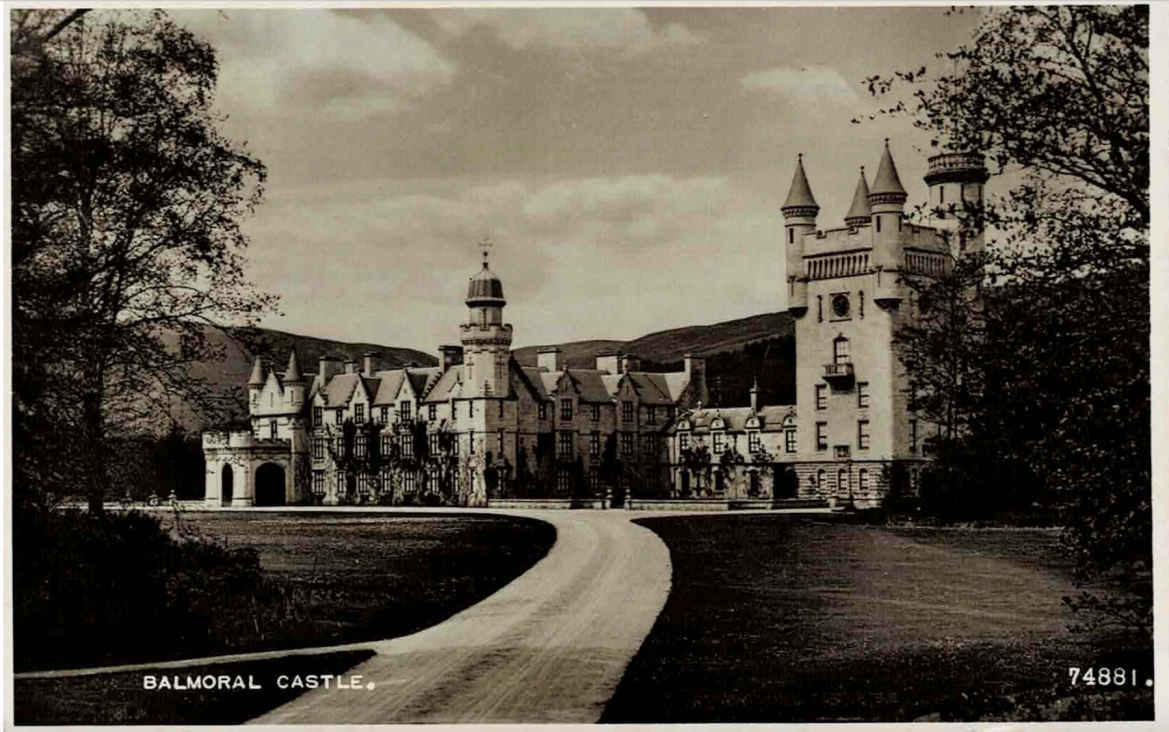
(388, 383)
(447, 385)
(421, 378)
(735, 418)
(339, 390)
(676, 383)
(535, 379)
(651, 389)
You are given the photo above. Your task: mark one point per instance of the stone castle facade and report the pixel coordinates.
(480, 426)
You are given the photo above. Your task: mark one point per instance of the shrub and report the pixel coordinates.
(102, 588)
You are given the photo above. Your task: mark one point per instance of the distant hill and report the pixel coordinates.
(737, 352)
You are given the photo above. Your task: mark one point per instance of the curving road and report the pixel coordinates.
(549, 647)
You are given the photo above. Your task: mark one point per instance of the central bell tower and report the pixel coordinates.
(485, 337)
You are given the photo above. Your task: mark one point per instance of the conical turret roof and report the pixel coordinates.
(800, 193)
(859, 213)
(257, 378)
(292, 373)
(887, 180)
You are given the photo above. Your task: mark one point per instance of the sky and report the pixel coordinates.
(627, 163)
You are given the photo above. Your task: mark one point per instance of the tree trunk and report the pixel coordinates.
(97, 477)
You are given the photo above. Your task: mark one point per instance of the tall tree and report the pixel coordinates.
(126, 241)
(1054, 355)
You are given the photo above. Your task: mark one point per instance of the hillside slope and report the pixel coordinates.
(737, 352)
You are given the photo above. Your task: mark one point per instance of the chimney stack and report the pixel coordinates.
(329, 367)
(369, 363)
(351, 366)
(609, 362)
(450, 356)
(630, 363)
(550, 359)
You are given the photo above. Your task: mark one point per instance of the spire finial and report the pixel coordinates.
(886, 142)
(485, 244)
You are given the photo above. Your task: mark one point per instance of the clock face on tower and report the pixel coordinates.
(840, 305)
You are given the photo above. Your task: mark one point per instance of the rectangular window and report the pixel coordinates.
(387, 441)
(753, 442)
(821, 396)
(789, 440)
(318, 448)
(564, 445)
(432, 412)
(566, 409)
(272, 429)
(318, 416)
(862, 394)
(340, 416)
(318, 482)
(595, 409)
(861, 301)
(435, 446)
(404, 411)
(669, 412)
(913, 435)
(358, 414)
(385, 415)
(719, 443)
(651, 416)
(406, 446)
(878, 218)
(862, 434)
(359, 445)
(563, 482)
(683, 441)
(821, 435)
(647, 445)
(594, 444)
(500, 407)
(409, 481)
(543, 410)
(627, 411)
(627, 444)
(471, 408)
(840, 351)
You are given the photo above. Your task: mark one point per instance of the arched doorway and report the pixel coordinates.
(787, 484)
(226, 493)
(270, 485)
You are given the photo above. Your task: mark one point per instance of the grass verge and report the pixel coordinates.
(784, 619)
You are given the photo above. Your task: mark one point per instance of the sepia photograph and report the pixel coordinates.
(580, 364)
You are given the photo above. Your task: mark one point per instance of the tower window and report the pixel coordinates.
(840, 350)
(821, 396)
(941, 194)
(862, 394)
(862, 434)
(791, 236)
(272, 429)
(821, 435)
(913, 435)
(878, 224)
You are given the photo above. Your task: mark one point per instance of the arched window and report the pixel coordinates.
(840, 350)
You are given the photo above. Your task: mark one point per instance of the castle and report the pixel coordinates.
(481, 427)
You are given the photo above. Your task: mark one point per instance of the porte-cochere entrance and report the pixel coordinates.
(270, 485)
(225, 496)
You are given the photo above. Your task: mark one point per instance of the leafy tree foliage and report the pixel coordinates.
(126, 239)
(1034, 359)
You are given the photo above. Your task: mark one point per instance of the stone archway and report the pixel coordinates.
(270, 485)
(227, 486)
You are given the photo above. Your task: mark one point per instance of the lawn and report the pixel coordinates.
(357, 577)
(332, 578)
(120, 698)
(788, 619)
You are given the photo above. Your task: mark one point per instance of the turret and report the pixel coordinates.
(887, 202)
(486, 338)
(859, 213)
(799, 219)
(956, 182)
(293, 382)
(255, 383)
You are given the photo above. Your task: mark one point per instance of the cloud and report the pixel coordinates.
(625, 29)
(576, 255)
(820, 83)
(333, 64)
